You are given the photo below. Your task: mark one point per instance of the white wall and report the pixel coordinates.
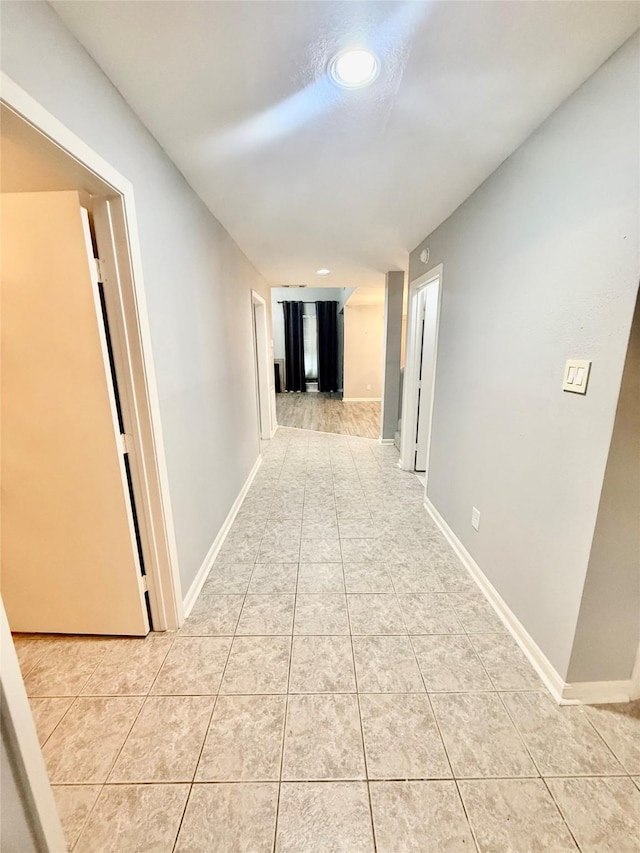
(197, 280)
(541, 264)
(363, 350)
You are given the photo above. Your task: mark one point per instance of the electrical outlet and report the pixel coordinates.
(475, 518)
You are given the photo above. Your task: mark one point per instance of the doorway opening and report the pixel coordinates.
(328, 359)
(87, 332)
(265, 378)
(420, 371)
(98, 438)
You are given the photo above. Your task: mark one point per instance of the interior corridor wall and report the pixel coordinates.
(197, 281)
(541, 264)
(608, 632)
(363, 351)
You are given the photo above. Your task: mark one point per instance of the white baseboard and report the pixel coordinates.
(361, 399)
(203, 572)
(635, 679)
(386, 441)
(598, 692)
(563, 693)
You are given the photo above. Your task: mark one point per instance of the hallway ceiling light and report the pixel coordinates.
(354, 69)
(323, 272)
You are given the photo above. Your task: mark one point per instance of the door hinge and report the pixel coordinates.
(125, 443)
(143, 581)
(100, 270)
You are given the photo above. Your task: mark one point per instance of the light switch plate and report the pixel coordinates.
(576, 376)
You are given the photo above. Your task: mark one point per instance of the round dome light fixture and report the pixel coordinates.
(354, 68)
(323, 271)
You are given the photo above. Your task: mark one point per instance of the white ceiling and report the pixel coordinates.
(304, 175)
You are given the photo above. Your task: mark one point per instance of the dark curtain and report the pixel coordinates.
(294, 346)
(327, 323)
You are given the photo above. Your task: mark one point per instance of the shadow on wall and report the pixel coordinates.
(608, 633)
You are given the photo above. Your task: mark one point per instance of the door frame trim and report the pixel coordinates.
(156, 517)
(23, 749)
(263, 395)
(412, 369)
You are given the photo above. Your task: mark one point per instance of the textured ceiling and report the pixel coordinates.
(305, 175)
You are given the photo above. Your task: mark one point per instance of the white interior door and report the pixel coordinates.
(69, 557)
(427, 374)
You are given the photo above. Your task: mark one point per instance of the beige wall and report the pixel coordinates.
(363, 339)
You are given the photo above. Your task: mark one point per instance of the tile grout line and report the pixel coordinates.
(428, 778)
(501, 701)
(362, 738)
(602, 738)
(561, 813)
(286, 704)
(444, 745)
(86, 820)
(442, 740)
(101, 785)
(204, 740)
(355, 675)
(73, 702)
(219, 687)
(301, 464)
(119, 751)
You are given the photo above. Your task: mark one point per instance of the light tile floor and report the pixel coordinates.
(341, 685)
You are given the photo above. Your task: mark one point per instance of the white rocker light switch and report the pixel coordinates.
(576, 376)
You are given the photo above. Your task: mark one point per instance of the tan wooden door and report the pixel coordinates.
(69, 557)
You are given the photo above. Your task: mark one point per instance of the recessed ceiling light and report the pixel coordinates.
(353, 69)
(323, 272)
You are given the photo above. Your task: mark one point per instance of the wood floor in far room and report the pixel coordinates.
(326, 412)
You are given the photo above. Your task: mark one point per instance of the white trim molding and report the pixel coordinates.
(118, 217)
(635, 678)
(565, 694)
(409, 414)
(218, 542)
(264, 382)
(386, 441)
(361, 399)
(23, 749)
(597, 692)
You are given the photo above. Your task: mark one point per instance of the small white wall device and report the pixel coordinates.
(576, 376)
